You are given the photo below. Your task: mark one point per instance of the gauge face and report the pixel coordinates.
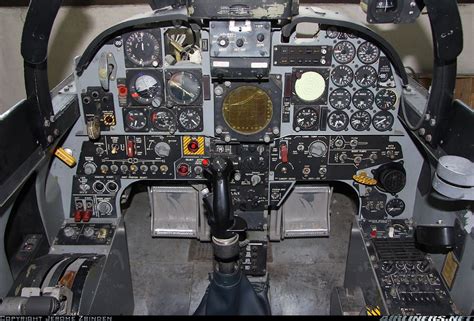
(368, 53)
(344, 52)
(247, 110)
(331, 32)
(340, 98)
(306, 118)
(163, 119)
(184, 88)
(142, 48)
(136, 119)
(338, 120)
(363, 99)
(342, 75)
(189, 119)
(386, 99)
(395, 207)
(383, 121)
(310, 86)
(366, 76)
(360, 120)
(146, 88)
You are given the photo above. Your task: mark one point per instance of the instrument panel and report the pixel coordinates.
(304, 110)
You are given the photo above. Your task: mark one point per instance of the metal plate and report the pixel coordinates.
(306, 212)
(174, 211)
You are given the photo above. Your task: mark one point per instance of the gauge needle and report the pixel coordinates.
(175, 84)
(380, 121)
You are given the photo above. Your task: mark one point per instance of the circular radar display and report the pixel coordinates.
(163, 119)
(310, 86)
(366, 76)
(360, 120)
(395, 207)
(136, 119)
(142, 48)
(247, 110)
(363, 99)
(340, 98)
(386, 99)
(189, 119)
(368, 53)
(344, 52)
(338, 120)
(146, 89)
(342, 75)
(184, 88)
(306, 118)
(383, 121)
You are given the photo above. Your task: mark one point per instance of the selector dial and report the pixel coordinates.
(162, 149)
(318, 149)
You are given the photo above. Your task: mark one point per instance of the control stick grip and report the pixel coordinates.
(222, 218)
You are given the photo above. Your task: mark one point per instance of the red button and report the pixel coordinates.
(373, 233)
(86, 217)
(122, 90)
(77, 216)
(193, 146)
(205, 162)
(183, 169)
(284, 153)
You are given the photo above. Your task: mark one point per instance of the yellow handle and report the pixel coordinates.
(67, 158)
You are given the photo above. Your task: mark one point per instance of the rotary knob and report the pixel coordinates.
(318, 149)
(162, 149)
(223, 41)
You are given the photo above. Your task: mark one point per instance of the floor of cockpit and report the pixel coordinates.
(168, 280)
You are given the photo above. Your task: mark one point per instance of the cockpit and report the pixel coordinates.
(239, 158)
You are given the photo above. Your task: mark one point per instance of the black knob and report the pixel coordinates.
(260, 37)
(239, 42)
(391, 178)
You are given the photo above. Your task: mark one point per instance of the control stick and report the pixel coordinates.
(230, 292)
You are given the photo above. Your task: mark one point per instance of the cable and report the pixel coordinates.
(405, 116)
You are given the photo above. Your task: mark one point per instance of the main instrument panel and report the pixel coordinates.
(303, 111)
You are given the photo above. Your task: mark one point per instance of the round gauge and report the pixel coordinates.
(344, 52)
(306, 118)
(331, 32)
(310, 86)
(386, 99)
(368, 53)
(136, 119)
(142, 48)
(184, 88)
(338, 120)
(363, 99)
(189, 119)
(163, 119)
(247, 109)
(395, 207)
(145, 88)
(340, 98)
(366, 76)
(342, 75)
(383, 121)
(360, 120)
